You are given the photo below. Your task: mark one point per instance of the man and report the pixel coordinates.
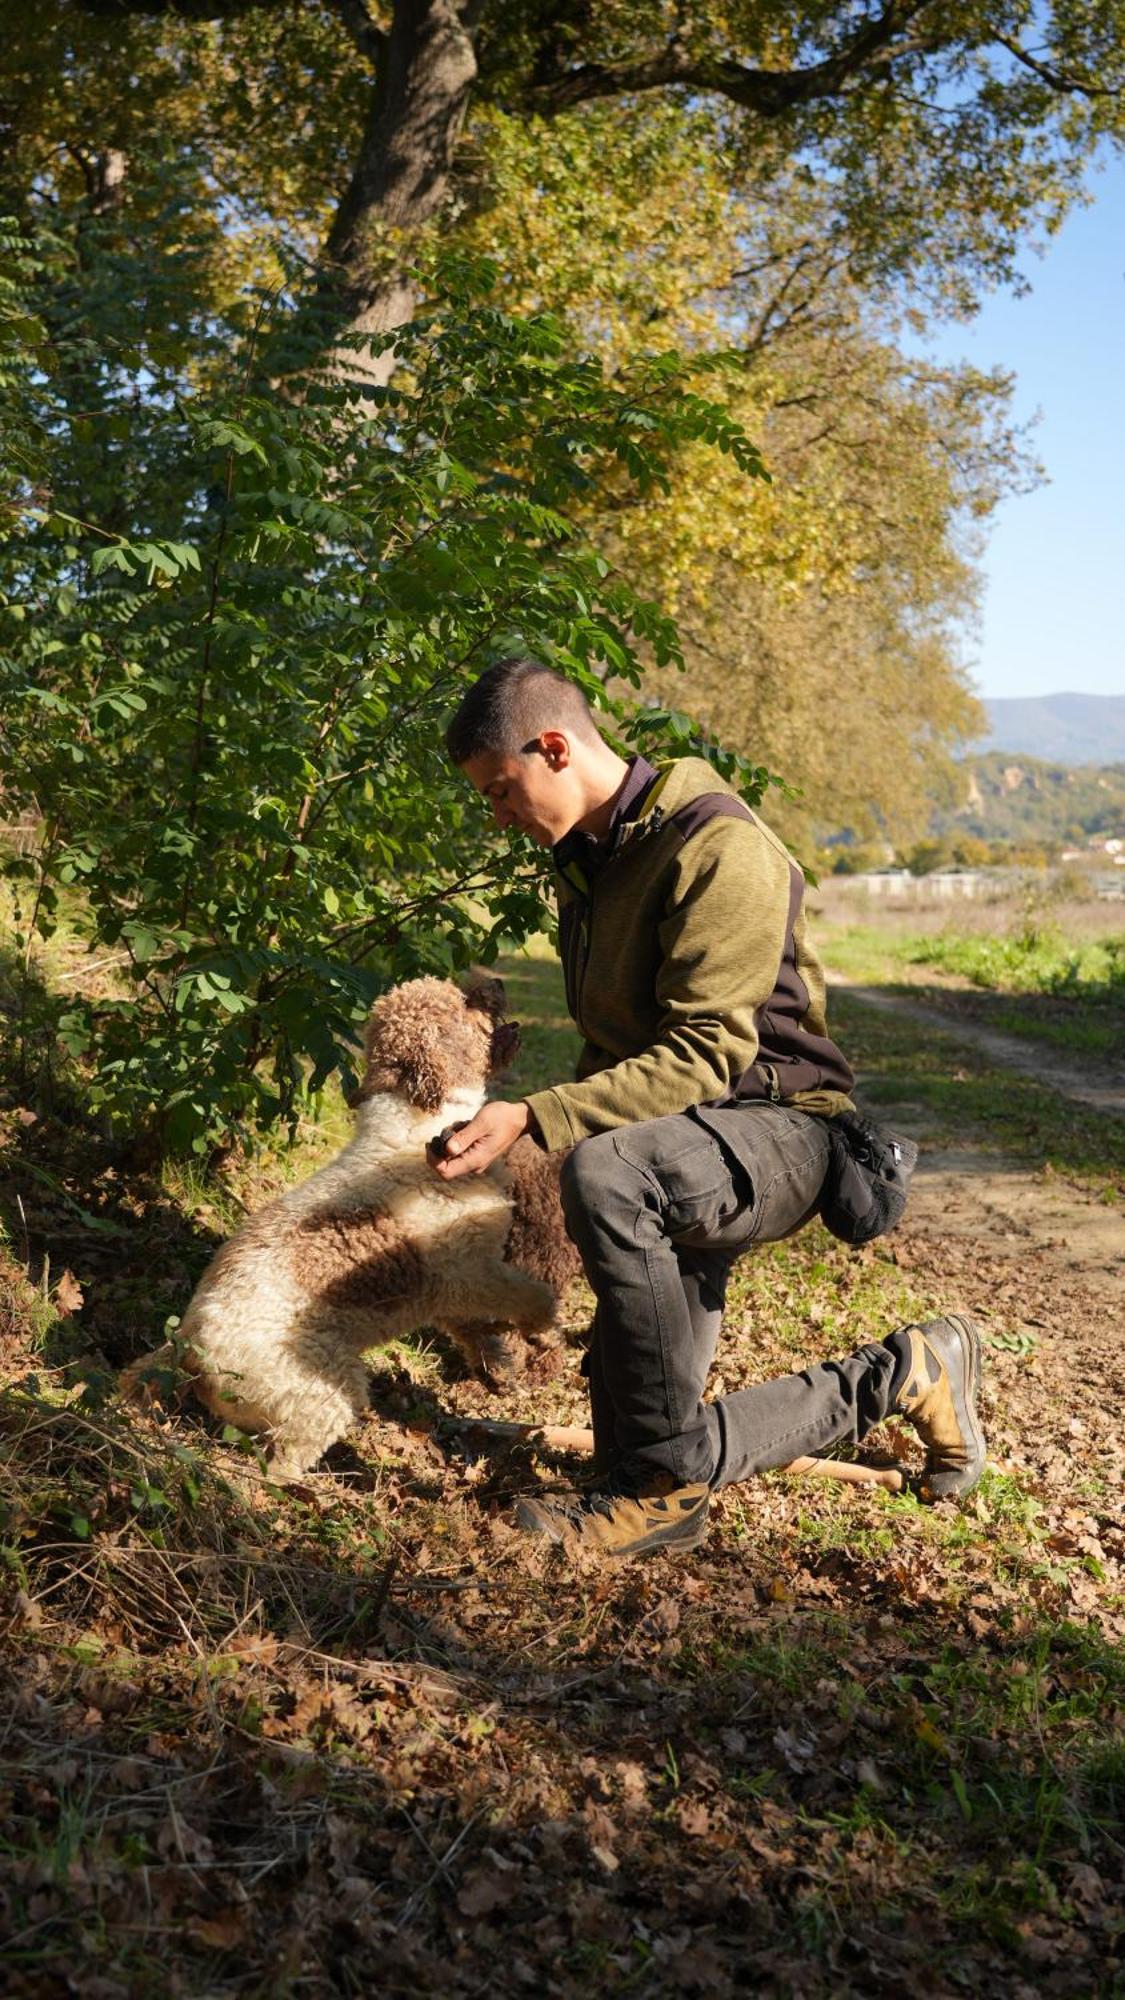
(698, 1120)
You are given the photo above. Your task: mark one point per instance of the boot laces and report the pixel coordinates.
(599, 1500)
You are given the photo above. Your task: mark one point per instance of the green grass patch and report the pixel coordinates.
(549, 1040)
(1034, 959)
(1031, 981)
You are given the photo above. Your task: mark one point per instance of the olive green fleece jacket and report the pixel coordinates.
(674, 946)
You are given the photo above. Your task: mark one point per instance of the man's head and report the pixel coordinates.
(527, 740)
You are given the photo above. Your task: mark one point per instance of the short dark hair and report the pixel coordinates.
(510, 705)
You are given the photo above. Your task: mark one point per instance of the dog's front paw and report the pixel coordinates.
(497, 1353)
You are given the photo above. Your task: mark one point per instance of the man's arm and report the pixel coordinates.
(721, 945)
(721, 941)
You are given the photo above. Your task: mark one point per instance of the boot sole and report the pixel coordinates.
(968, 1335)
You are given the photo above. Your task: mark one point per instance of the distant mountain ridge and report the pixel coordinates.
(1019, 798)
(1061, 728)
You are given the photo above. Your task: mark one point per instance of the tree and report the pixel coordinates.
(821, 611)
(941, 132)
(719, 212)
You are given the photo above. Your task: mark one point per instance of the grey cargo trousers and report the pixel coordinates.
(659, 1212)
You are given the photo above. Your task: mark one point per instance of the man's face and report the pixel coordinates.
(532, 793)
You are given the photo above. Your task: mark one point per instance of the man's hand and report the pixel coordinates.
(495, 1128)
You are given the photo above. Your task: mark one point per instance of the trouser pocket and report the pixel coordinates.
(692, 1179)
(779, 1156)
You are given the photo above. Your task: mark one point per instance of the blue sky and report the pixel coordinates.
(1054, 606)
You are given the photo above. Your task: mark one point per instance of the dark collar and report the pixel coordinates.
(579, 849)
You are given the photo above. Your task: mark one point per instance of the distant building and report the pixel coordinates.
(899, 885)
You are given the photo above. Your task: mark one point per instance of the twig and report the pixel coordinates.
(84, 971)
(572, 1437)
(556, 1437)
(414, 1901)
(888, 1477)
(26, 1237)
(439, 1583)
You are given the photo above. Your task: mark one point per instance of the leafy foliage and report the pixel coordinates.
(208, 716)
(228, 715)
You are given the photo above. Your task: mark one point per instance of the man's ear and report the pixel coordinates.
(554, 746)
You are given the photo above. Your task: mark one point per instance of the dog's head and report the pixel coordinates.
(427, 1039)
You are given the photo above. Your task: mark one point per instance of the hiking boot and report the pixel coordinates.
(939, 1398)
(617, 1523)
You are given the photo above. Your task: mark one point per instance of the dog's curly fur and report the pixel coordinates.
(376, 1243)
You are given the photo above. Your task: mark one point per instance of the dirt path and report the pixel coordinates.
(989, 1210)
(1036, 1259)
(1012, 1051)
(1016, 1212)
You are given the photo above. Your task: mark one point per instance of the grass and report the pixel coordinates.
(1025, 970)
(966, 1098)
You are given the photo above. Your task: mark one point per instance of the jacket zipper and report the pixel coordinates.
(649, 822)
(580, 970)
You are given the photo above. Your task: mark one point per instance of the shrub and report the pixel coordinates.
(227, 711)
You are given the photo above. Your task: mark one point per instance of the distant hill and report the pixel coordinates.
(1062, 728)
(1023, 798)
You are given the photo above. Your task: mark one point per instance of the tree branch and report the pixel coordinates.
(369, 40)
(769, 92)
(185, 10)
(1054, 78)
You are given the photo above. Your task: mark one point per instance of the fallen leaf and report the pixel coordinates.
(798, 1751)
(664, 1618)
(177, 1841)
(482, 1890)
(67, 1295)
(223, 1931)
(28, 1614)
(694, 1817)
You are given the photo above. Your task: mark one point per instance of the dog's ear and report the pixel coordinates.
(486, 992)
(505, 1045)
(430, 1072)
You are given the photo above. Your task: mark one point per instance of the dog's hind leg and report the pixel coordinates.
(315, 1414)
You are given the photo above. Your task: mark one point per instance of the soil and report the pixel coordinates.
(966, 1197)
(1036, 1258)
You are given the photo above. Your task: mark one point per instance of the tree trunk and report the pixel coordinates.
(425, 73)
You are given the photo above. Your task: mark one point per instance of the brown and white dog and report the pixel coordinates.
(377, 1244)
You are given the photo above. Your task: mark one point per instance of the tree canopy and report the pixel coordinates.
(941, 131)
